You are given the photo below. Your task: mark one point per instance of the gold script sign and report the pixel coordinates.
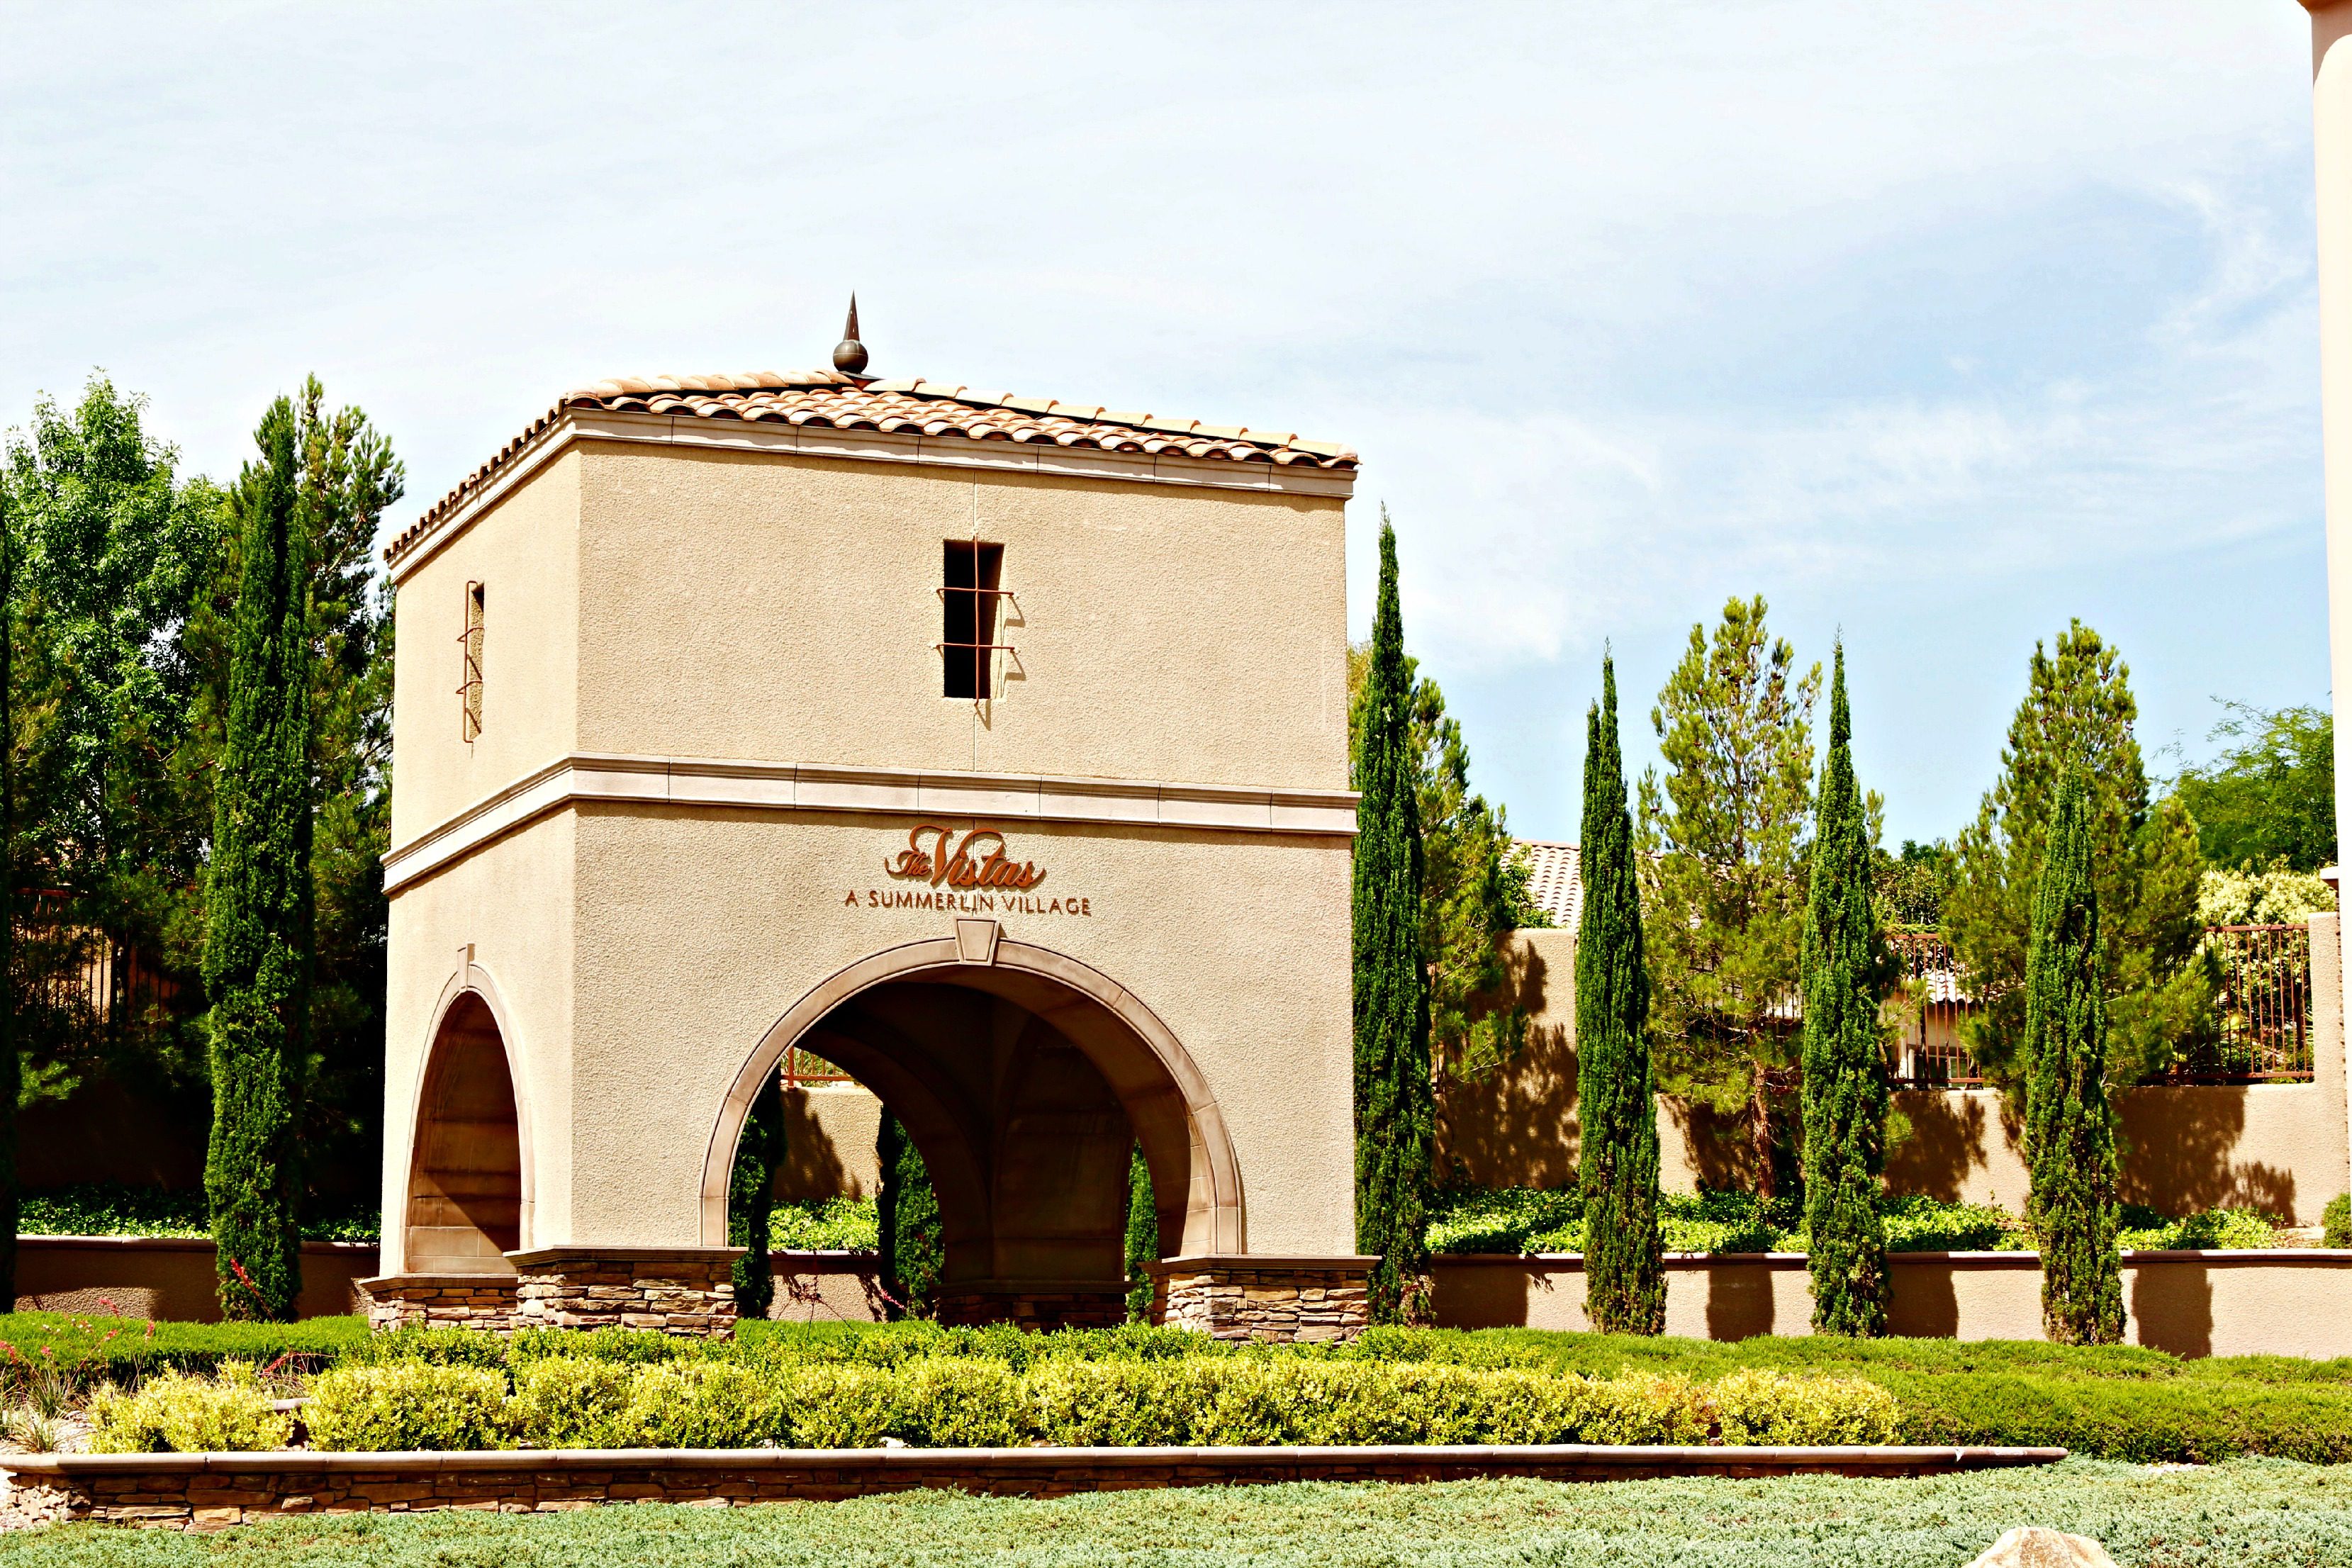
(976, 861)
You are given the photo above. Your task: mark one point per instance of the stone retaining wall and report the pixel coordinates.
(211, 1491)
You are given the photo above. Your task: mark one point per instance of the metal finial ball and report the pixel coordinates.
(849, 356)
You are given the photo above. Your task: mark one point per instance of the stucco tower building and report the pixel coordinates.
(993, 748)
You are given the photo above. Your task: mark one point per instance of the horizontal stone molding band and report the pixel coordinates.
(958, 451)
(901, 792)
(204, 1491)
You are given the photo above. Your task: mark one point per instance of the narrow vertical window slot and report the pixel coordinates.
(974, 573)
(470, 686)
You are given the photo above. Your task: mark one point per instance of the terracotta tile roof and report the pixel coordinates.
(830, 400)
(1558, 890)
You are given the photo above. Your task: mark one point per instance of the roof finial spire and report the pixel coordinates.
(849, 354)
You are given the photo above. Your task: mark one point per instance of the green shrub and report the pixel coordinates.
(698, 1405)
(177, 1414)
(1773, 1409)
(2336, 1221)
(572, 1401)
(824, 1225)
(408, 1406)
(2144, 1230)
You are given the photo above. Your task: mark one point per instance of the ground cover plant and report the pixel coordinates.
(2252, 1513)
(1539, 1219)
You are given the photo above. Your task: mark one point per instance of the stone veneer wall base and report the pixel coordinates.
(1250, 1297)
(686, 1290)
(211, 1491)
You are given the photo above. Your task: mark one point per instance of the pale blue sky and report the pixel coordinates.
(1939, 323)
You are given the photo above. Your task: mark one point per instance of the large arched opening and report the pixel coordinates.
(465, 1208)
(1024, 1077)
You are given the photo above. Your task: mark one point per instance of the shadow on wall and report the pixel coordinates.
(1947, 1144)
(2172, 1308)
(814, 1166)
(2176, 1147)
(1515, 1126)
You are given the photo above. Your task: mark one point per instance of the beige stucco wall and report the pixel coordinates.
(525, 551)
(512, 907)
(782, 609)
(829, 1142)
(2331, 26)
(2283, 1148)
(738, 604)
(698, 929)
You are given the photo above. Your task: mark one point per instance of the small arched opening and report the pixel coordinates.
(465, 1205)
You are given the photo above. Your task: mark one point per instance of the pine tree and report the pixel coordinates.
(912, 1250)
(1142, 1237)
(1395, 1115)
(751, 1198)
(1616, 1089)
(1845, 1087)
(1724, 836)
(2070, 1142)
(257, 947)
(2079, 713)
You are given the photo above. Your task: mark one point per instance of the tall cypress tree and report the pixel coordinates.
(2070, 1141)
(1395, 1113)
(1616, 1088)
(913, 1251)
(1142, 1237)
(258, 940)
(751, 1198)
(1846, 1094)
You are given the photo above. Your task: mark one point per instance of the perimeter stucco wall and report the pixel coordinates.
(2283, 1148)
(746, 606)
(526, 552)
(697, 929)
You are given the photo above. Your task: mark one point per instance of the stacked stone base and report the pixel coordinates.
(1279, 1300)
(484, 1302)
(687, 1291)
(211, 1491)
(1041, 1310)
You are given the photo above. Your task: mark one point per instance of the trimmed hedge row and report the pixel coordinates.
(573, 1402)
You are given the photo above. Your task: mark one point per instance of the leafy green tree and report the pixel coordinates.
(1142, 1237)
(1725, 841)
(258, 954)
(2070, 1142)
(1911, 886)
(2079, 711)
(913, 1247)
(113, 549)
(1395, 1115)
(12, 1074)
(1616, 1090)
(1847, 1097)
(2270, 795)
(751, 1198)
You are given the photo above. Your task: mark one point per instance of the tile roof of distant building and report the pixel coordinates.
(829, 399)
(1559, 890)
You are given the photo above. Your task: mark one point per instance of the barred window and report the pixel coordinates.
(469, 687)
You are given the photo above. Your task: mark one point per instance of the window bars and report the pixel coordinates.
(469, 685)
(968, 601)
